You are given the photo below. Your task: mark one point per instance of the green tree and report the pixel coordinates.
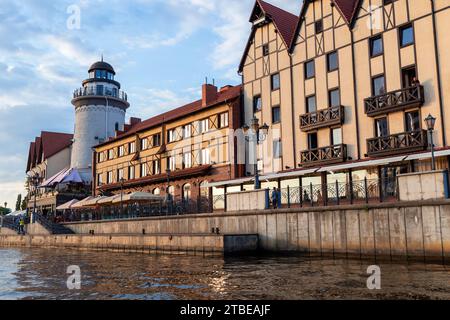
(18, 202)
(4, 211)
(24, 204)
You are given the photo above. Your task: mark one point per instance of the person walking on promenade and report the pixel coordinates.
(275, 198)
(22, 226)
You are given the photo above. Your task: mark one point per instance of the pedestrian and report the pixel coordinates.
(275, 198)
(22, 226)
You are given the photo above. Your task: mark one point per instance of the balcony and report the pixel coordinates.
(85, 92)
(327, 155)
(322, 118)
(398, 143)
(412, 97)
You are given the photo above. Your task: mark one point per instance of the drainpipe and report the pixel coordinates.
(438, 72)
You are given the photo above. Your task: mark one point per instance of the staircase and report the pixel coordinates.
(53, 228)
(8, 222)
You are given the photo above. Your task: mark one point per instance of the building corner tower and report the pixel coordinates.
(100, 108)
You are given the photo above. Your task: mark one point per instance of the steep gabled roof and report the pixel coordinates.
(285, 23)
(46, 145)
(347, 8)
(196, 106)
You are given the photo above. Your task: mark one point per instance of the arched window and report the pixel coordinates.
(171, 192)
(157, 191)
(187, 192)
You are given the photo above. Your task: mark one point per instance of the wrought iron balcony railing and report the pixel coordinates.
(322, 118)
(87, 92)
(398, 143)
(395, 101)
(327, 155)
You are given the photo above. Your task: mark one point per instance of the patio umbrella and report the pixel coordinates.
(67, 205)
(80, 204)
(137, 197)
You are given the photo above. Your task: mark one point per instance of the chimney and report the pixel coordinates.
(209, 94)
(134, 121)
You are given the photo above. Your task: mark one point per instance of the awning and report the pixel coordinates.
(80, 204)
(67, 205)
(107, 200)
(423, 156)
(137, 197)
(362, 164)
(93, 202)
(65, 176)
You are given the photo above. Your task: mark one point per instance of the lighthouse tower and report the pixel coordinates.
(100, 108)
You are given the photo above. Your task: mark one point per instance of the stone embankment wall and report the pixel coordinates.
(405, 229)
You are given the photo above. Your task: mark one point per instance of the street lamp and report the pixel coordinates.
(34, 182)
(122, 181)
(430, 122)
(257, 134)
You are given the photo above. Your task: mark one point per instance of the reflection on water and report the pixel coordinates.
(41, 274)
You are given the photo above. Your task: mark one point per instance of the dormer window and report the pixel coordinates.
(265, 50)
(318, 26)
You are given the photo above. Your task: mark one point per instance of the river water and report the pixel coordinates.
(42, 274)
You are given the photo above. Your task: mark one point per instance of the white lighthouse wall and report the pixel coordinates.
(93, 125)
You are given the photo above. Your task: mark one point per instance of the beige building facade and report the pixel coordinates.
(346, 88)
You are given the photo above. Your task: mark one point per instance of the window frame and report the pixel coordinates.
(318, 26)
(265, 49)
(334, 53)
(373, 84)
(330, 91)
(279, 113)
(272, 77)
(371, 46)
(313, 63)
(255, 99)
(400, 35)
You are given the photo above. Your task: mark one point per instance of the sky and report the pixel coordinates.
(162, 50)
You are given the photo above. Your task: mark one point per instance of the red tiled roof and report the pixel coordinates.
(347, 8)
(285, 22)
(222, 96)
(47, 145)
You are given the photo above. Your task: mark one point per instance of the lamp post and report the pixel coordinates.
(257, 134)
(430, 122)
(34, 181)
(122, 181)
(168, 171)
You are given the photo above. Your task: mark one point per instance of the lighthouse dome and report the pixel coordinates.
(101, 65)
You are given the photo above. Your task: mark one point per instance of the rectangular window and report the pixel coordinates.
(144, 144)
(336, 136)
(109, 177)
(334, 98)
(276, 114)
(170, 136)
(409, 77)
(110, 154)
(265, 49)
(156, 140)
(101, 157)
(277, 149)
(121, 151)
(223, 120)
(204, 126)
(311, 104)
(206, 157)
(187, 160)
(99, 179)
(376, 46)
(381, 127)
(310, 69)
(406, 36)
(412, 121)
(132, 147)
(318, 26)
(275, 81)
(312, 141)
(187, 131)
(144, 170)
(120, 175)
(378, 87)
(257, 103)
(99, 90)
(131, 173)
(332, 61)
(171, 163)
(156, 167)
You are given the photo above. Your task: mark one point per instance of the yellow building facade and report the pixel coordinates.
(347, 87)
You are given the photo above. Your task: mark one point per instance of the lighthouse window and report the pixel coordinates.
(99, 90)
